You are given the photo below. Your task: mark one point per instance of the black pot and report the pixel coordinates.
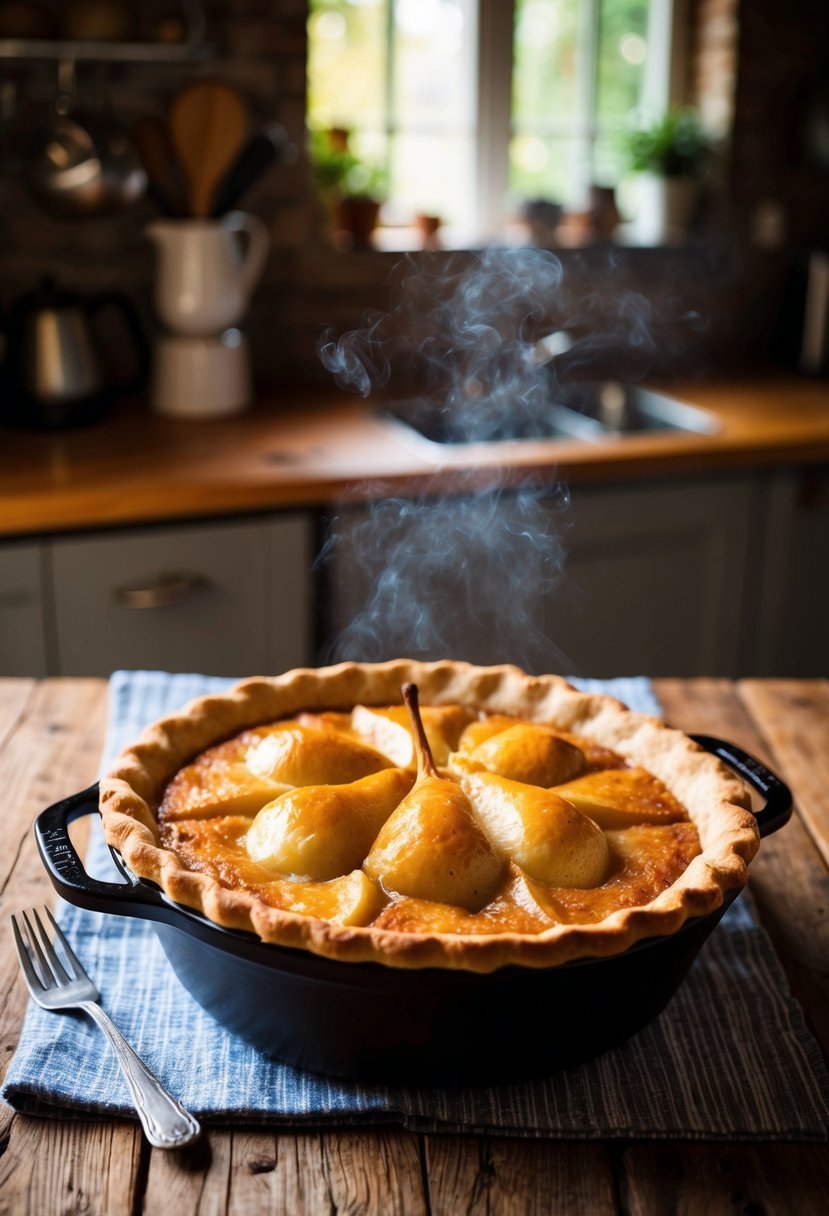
(364, 1021)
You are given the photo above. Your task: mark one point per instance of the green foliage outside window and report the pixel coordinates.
(573, 90)
(338, 173)
(674, 146)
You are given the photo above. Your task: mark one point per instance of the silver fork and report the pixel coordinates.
(165, 1121)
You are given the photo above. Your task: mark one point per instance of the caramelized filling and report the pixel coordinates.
(520, 827)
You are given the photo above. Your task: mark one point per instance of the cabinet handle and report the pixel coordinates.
(166, 591)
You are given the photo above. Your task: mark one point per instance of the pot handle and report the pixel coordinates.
(777, 809)
(67, 873)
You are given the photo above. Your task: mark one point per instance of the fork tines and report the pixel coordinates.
(38, 957)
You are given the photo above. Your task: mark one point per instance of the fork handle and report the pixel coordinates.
(165, 1121)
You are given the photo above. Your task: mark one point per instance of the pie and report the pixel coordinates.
(509, 819)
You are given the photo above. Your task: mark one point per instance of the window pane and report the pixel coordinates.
(431, 176)
(621, 59)
(623, 27)
(550, 148)
(346, 64)
(433, 111)
(545, 59)
(411, 113)
(432, 75)
(578, 73)
(548, 168)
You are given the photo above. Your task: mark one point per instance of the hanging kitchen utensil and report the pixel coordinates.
(80, 161)
(208, 124)
(267, 148)
(84, 164)
(152, 141)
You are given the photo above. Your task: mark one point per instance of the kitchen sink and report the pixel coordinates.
(589, 411)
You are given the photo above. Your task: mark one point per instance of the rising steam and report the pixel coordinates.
(460, 342)
(471, 575)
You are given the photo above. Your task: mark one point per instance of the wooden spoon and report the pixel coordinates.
(152, 140)
(208, 122)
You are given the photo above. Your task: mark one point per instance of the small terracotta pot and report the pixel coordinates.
(358, 217)
(428, 227)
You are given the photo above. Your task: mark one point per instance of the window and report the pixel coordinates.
(471, 108)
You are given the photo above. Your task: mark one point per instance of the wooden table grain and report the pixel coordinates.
(51, 733)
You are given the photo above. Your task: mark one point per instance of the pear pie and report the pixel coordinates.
(430, 814)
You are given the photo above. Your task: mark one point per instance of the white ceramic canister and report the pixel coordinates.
(201, 378)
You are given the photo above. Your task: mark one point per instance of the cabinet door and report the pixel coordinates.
(656, 580)
(198, 598)
(290, 632)
(793, 615)
(22, 642)
(647, 580)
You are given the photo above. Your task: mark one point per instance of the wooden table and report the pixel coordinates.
(50, 740)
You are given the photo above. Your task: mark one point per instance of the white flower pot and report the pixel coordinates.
(665, 210)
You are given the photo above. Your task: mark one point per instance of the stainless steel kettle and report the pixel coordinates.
(56, 373)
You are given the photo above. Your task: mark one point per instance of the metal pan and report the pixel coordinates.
(363, 1021)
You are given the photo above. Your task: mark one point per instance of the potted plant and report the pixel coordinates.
(669, 155)
(351, 189)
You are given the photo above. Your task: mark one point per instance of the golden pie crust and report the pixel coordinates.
(712, 851)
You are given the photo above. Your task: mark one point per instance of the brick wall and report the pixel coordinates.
(784, 58)
(714, 304)
(714, 63)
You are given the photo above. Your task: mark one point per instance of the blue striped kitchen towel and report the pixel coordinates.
(702, 1070)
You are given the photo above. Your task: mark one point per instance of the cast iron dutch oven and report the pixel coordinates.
(364, 1021)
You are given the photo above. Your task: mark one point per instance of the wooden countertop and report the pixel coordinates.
(50, 739)
(315, 448)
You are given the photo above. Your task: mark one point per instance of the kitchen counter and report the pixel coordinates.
(313, 448)
(50, 739)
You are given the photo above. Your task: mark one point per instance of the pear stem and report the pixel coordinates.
(425, 760)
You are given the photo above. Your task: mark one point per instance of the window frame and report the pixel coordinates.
(492, 36)
(665, 85)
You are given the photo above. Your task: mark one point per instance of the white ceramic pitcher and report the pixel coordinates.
(206, 274)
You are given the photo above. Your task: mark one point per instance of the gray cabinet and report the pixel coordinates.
(650, 579)
(657, 580)
(225, 598)
(22, 628)
(695, 576)
(793, 623)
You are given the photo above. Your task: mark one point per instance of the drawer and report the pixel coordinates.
(224, 599)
